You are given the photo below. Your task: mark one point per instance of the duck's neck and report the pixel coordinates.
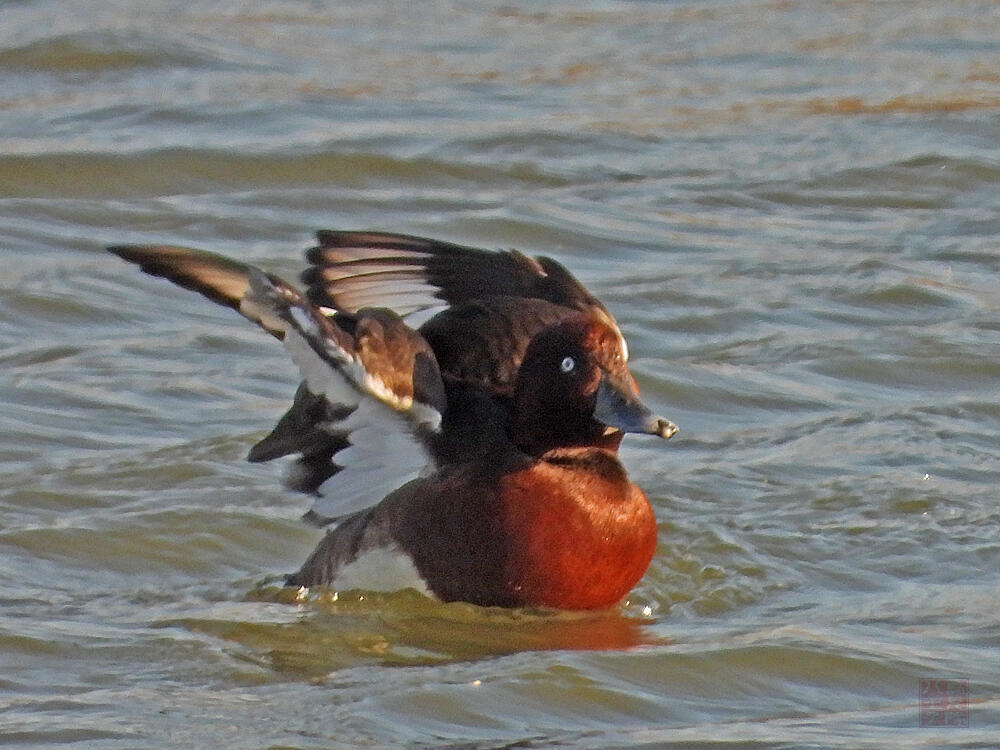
(591, 459)
(533, 439)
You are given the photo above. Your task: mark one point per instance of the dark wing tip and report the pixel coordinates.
(122, 251)
(217, 277)
(157, 260)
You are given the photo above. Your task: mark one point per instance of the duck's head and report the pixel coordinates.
(574, 388)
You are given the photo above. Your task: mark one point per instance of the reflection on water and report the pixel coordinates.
(791, 208)
(336, 630)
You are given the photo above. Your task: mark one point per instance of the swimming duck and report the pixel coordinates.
(474, 457)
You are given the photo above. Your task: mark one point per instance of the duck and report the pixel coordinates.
(458, 420)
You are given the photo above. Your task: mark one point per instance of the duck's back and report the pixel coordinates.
(482, 342)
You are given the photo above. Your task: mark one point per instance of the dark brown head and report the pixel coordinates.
(574, 389)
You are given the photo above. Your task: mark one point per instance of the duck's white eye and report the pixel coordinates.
(567, 364)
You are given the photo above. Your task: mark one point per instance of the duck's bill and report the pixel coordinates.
(618, 407)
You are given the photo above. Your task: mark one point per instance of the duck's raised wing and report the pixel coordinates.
(378, 378)
(217, 277)
(351, 270)
(497, 301)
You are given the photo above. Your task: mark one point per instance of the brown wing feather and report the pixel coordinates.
(221, 279)
(407, 273)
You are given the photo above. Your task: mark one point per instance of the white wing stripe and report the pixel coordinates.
(351, 253)
(384, 451)
(321, 378)
(351, 269)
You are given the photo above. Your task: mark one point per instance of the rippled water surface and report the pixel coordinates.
(792, 208)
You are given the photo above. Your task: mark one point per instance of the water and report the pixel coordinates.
(791, 208)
